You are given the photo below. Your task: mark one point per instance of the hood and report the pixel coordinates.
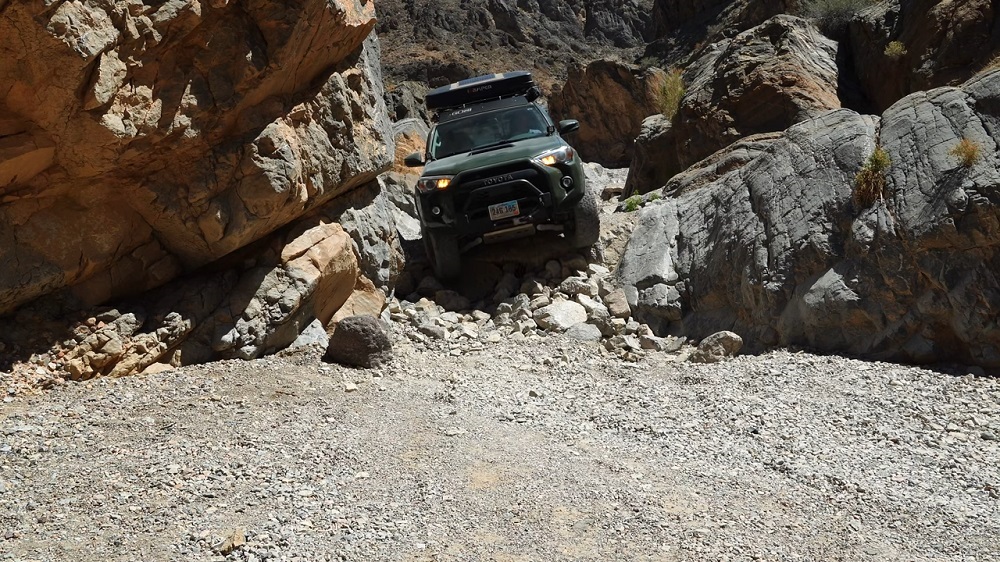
(517, 150)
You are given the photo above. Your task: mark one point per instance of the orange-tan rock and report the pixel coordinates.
(142, 140)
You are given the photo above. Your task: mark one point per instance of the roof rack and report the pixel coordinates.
(482, 88)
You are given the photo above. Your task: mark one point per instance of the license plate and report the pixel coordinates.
(504, 210)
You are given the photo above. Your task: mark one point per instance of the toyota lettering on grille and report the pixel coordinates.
(498, 179)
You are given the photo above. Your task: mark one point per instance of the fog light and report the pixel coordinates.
(436, 211)
(567, 182)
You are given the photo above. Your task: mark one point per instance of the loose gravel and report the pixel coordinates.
(544, 448)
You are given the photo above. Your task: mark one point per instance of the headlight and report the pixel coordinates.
(560, 155)
(433, 183)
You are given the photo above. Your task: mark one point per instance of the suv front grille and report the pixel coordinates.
(477, 190)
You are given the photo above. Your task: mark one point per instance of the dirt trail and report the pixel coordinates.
(546, 449)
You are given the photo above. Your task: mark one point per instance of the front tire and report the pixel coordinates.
(442, 250)
(586, 224)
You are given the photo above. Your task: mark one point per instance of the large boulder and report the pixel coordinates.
(936, 44)
(610, 99)
(765, 239)
(174, 133)
(359, 341)
(765, 79)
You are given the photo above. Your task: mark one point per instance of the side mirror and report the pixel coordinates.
(414, 160)
(568, 126)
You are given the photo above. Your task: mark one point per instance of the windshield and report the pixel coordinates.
(485, 129)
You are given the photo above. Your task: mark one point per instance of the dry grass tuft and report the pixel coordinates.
(869, 184)
(670, 93)
(895, 50)
(967, 151)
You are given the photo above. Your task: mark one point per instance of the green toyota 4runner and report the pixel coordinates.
(496, 169)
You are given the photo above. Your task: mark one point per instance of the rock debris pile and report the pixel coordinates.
(570, 296)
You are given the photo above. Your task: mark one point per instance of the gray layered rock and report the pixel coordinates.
(763, 238)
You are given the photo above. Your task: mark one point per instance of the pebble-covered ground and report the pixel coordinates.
(545, 448)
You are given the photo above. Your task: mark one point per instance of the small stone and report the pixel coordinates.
(506, 287)
(717, 347)
(617, 304)
(593, 307)
(350, 387)
(585, 332)
(359, 341)
(525, 326)
(560, 316)
(434, 331)
(575, 262)
(553, 269)
(573, 286)
(429, 286)
(451, 301)
(988, 436)
(597, 270)
(532, 287)
(539, 302)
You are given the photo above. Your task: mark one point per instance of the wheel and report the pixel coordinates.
(442, 251)
(586, 224)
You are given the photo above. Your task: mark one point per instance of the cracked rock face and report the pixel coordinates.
(174, 133)
(443, 41)
(763, 238)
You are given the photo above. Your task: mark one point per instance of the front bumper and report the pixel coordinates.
(541, 197)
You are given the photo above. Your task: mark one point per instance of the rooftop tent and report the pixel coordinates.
(480, 88)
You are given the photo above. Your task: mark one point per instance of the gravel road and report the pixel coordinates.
(542, 449)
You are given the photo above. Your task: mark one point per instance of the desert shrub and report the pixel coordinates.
(670, 93)
(633, 203)
(869, 184)
(895, 50)
(967, 151)
(648, 62)
(992, 64)
(833, 16)
(653, 197)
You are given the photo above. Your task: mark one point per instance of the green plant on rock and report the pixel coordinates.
(895, 50)
(967, 151)
(653, 197)
(833, 16)
(670, 94)
(870, 182)
(633, 203)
